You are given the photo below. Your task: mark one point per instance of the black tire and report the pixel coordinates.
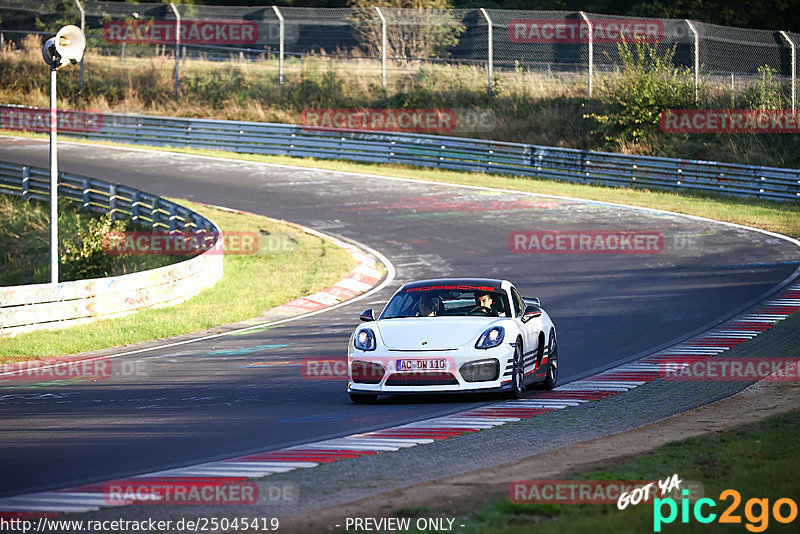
(552, 363)
(363, 398)
(518, 374)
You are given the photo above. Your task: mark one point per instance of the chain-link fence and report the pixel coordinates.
(562, 44)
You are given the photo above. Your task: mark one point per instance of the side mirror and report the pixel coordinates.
(367, 315)
(531, 311)
(532, 300)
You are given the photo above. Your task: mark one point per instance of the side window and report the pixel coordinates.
(519, 305)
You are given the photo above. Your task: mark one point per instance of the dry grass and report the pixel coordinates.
(531, 107)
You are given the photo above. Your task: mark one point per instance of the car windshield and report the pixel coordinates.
(415, 302)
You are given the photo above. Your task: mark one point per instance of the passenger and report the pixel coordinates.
(428, 305)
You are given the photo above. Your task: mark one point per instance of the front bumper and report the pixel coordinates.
(392, 382)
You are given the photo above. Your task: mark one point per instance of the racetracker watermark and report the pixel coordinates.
(206, 491)
(733, 369)
(418, 120)
(74, 368)
(180, 243)
(592, 491)
(60, 368)
(38, 120)
(371, 372)
(577, 31)
(585, 242)
(192, 31)
(729, 121)
(574, 491)
(322, 368)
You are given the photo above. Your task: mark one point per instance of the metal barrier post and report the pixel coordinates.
(383, 50)
(177, 45)
(135, 207)
(87, 191)
(154, 214)
(794, 70)
(491, 51)
(282, 38)
(83, 30)
(696, 58)
(591, 51)
(26, 179)
(112, 201)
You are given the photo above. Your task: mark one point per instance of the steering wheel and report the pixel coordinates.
(482, 309)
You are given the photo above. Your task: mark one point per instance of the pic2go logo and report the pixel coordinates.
(757, 512)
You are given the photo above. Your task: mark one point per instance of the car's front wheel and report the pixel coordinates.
(363, 398)
(518, 373)
(552, 363)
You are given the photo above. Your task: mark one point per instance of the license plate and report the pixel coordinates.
(421, 365)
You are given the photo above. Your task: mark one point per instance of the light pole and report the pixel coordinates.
(65, 48)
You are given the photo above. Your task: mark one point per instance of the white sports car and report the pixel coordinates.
(453, 335)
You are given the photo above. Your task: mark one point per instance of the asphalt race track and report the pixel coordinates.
(240, 393)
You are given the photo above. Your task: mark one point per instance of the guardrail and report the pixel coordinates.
(454, 153)
(38, 306)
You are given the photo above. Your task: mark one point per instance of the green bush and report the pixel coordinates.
(767, 92)
(82, 253)
(630, 102)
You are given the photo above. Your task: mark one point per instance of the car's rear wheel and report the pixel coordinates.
(518, 373)
(363, 398)
(552, 363)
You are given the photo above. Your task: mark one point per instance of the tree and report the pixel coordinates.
(415, 28)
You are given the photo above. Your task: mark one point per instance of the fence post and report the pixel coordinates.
(177, 45)
(83, 31)
(383, 50)
(696, 59)
(794, 70)
(591, 51)
(281, 38)
(491, 51)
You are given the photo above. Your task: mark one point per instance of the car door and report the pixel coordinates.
(530, 332)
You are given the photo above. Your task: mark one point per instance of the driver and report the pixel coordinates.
(427, 305)
(485, 300)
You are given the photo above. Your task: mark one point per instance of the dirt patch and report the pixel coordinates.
(456, 495)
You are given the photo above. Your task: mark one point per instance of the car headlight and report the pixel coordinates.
(492, 337)
(365, 339)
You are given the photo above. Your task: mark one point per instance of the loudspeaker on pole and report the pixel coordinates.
(66, 47)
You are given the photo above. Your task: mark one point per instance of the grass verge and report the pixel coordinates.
(741, 459)
(290, 263)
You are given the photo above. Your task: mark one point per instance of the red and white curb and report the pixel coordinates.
(607, 383)
(361, 279)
